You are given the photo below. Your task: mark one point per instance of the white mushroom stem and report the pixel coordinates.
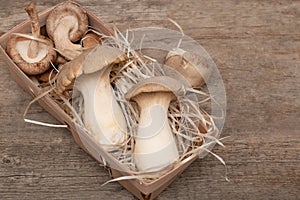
(102, 114)
(155, 146)
(62, 40)
(33, 48)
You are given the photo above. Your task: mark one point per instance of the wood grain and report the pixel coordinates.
(256, 46)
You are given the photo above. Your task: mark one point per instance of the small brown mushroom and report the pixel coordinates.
(46, 76)
(60, 60)
(65, 25)
(34, 55)
(192, 66)
(90, 40)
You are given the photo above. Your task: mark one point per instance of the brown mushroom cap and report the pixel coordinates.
(60, 60)
(163, 84)
(44, 77)
(17, 48)
(91, 40)
(32, 53)
(192, 66)
(68, 8)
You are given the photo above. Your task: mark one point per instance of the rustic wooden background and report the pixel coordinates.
(256, 46)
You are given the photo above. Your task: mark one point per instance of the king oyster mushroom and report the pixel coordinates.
(155, 145)
(192, 66)
(32, 55)
(65, 25)
(102, 115)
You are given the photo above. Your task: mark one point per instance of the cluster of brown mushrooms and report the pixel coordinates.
(126, 102)
(66, 25)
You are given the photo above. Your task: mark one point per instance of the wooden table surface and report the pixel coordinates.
(256, 46)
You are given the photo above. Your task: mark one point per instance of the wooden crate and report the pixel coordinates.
(140, 189)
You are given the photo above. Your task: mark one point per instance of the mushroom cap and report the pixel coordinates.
(65, 9)
(102, 56)
(193, 67)
(30, 68)
(90, 61)
(91, 40)
(44, 77)
(156, 84)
